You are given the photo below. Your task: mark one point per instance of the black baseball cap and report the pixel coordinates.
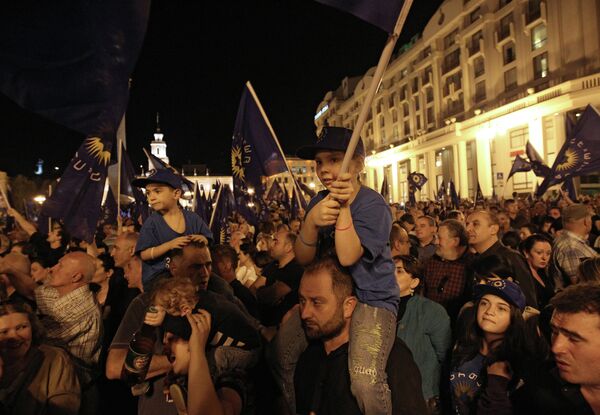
(331, 138)
(162, 176)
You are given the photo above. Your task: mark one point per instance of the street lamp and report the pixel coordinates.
(250, 191)
(39, 199)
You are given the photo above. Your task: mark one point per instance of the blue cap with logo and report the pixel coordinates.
(331, 138)
(505, 289)
(162, 176)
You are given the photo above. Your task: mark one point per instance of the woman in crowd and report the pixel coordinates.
(424, 326)
(36, 379)
(494, 351)
(105, 265)
(537, 249)
(247, 270)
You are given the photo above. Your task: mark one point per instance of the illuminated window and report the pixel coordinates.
(540, 66)
(538, 36)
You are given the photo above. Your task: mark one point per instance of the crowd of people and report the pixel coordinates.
(359, 306)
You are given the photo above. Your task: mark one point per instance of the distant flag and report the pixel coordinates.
(385, 190)
(520, 165)
(158, 164)
(276, 193)
(307, 190)
(453, 195)
(380, 13)
(441, 194)
(579, 153)
(479, 195)
(412, 201)
(295, 207)
(538, 165)
(569, 187)
(140, 205)
(199, 205)
(299, 196)
(224, 207)
(417, 180)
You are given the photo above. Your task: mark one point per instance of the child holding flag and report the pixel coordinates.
(352, 222)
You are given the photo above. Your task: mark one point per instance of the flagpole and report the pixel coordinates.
(212, 216)
(120, 141)
(384, 59)
(264, 115)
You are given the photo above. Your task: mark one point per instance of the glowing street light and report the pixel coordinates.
(312, 185)
(39, 199)
(251, 191)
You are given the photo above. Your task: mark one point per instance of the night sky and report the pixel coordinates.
(192, 69)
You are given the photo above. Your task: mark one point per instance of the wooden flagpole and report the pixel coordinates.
(384, 59)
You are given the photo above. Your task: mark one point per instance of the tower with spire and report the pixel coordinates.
(158, 147)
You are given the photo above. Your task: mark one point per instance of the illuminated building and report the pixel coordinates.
(462, 99)
(158, 146)
(303, 170)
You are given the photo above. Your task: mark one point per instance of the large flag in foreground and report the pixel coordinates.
(380, 13)
(579, 154)
(70, 61)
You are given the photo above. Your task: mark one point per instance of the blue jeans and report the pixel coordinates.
(372, 335)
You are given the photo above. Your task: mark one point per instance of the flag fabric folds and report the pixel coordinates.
(520, 165)
(441, 192)
(385, 191)
(579, 153)
(199, 205)
(537, 162)
(453, 195)
(224, 207)
(417, 180)
(158, 164)
(380, 13)
(307, 190)
(479, 195)
(569, 187)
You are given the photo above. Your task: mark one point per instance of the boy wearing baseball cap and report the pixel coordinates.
(169, 227)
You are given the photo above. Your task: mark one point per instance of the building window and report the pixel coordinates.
(510, 79)
(534, 10)
(383, 137)
(403, 93)
(480, 91)
(478, 66)
(475, 15)
(381, 121)
(518, 138)
(405, 110)
(449, 40)
(427, 75)
(418, 122)
(417, 103)
(406, 127)
(429, 95)
(451, 61)
(395, 134)
(415, 85)
(474, 47)
(455, 80)
(508, 53)
(430, 116)
(394, 116)
(391, 101)
(540, 66)
(505, 23)
(538, 36)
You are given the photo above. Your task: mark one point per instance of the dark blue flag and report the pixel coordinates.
(579, 154)
(453, 195)
(479, 195)
(412, 201)
(70, 60)
(417, 180)
(254, 152)
(78, 196)
(199, 205)
(307, 190)
(520, 165)
(385, 190)
(299, 196)
(224, 207)
(569, 187)
(380, 13)
(276, 193)
(538, 165)
(296, 206)
(441, 194)
(158, 164)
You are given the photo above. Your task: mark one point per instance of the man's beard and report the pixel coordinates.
(327, 331)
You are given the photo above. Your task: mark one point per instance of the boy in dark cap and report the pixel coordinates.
(169, 227)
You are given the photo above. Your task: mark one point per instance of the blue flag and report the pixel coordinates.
(538, 165)
(188, 185)
(520, 165)
(276, 193)
(224, 207)
(307, 190)
(417, 180)
(569, 187)
(199, 205)
(70, 60)
(78, 195)
(453, 195)
(380, 13)
(479, 195)
(579, 154)
(412, 201)
(441, 194)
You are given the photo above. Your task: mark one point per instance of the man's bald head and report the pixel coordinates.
(82, 263)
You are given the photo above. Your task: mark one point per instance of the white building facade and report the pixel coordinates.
(461, 100)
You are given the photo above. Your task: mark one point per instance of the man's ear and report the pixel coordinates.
(77, 277)
(349, 305)
(495, 229)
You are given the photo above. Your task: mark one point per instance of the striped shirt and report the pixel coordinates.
(72, 321)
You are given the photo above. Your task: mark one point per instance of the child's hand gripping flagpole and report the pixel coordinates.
(384, 59)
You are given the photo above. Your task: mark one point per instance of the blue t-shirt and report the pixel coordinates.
(156, 231)
(373, 273)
